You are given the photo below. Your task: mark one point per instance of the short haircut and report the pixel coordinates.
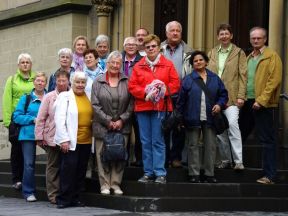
(129, 38)
(114, 54)
(223, 27)
(150, 38)
(102, 38)
(62, 72)
(169, 24)
(65, 51)
(41, 74)
(81, 37)
(198, 52)
(259, 28)
(93, 51)
(78, 75)
(24, 55)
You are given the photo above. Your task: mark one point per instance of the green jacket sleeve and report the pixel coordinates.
(7, 103)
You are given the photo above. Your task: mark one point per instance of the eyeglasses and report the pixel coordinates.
(151, 46)
(130, 45)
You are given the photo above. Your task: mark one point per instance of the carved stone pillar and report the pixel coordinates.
(103, 9)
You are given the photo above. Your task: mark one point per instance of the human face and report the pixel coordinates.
(257, 39)
(130, 47)
(224, 37)
(40, 83)
(140, 34)
(62, 83)
(90, 61)
(199, 63)
(114, 65)
(174, 34)
(79, 86)
(80, 46)
(152, 50)
(102, 49)
(25, 65)
(65, 60)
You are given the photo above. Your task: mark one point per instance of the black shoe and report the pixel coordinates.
(195, 179)
(210, 179)
(62, 206)
(78, 204)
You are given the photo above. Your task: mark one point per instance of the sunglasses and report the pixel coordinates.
(151, 46)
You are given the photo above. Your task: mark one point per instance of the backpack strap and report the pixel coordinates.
(27, 102)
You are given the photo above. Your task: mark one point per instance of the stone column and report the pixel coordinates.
(103, 9)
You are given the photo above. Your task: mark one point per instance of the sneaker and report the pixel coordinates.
(176, 164)
(105, 191)
(17, 186)
(118, 192)
(146, 179)
(224, 165)
(265, 180)
(239, 166)
(31, 198)
(160, 180)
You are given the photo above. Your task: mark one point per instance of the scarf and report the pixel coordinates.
(78, 62)
(152, 63)
(92, 74)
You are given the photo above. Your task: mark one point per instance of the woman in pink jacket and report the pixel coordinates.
(45, 131)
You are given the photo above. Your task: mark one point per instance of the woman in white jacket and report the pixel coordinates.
(73, 118)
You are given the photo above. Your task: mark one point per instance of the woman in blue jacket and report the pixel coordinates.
(197, 111)
(26, 136)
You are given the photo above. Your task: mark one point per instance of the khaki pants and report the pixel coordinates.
(52, 172)
(110, 174)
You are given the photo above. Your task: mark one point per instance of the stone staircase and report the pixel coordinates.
(236, 191)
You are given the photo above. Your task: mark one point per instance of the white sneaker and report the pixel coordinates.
(105, 191)
(239, 166)
(118, 192)
(31, 198)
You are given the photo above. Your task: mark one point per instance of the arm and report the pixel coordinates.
(174, 81)
(137, 84)
(242, 76)
(222, 94)
(127, 114)
(7, 107)
(41, 118)
(19, 116)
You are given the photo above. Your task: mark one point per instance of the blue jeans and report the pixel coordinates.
(153, 145)
(28, 181)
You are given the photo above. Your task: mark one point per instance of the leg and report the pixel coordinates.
(16, 160)
(192, 139)
(246, 119)
(28, 183)
(138, 145)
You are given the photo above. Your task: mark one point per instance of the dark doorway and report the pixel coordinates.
(169, 10)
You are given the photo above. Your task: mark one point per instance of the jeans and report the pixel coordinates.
(16, 160)
(153, 145)
(29, 154)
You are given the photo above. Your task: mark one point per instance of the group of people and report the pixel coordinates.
(94, 92)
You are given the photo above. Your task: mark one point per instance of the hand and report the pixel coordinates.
(65, 147)
(239, 102)
(256, 106)
(118, 124)
(216, 109)
(110, 125)
(39, 143)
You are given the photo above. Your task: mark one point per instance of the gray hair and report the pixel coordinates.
(65, 51)
(78, 75)
(259, 28)
(114, 54)
(129, 38)
(169, 24)
(24, 55)
(101, 38)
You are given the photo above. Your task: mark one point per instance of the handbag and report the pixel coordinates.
(14, 128)
(220, 121)
(114, 147)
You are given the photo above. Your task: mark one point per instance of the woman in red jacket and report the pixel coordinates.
(149, 112)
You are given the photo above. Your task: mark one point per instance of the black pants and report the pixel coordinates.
(178, 141)
(72, 174)
(16, 160)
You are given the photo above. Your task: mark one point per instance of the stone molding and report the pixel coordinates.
(104, 7)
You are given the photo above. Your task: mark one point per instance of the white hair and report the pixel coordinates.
(101, 38)
(129, 38)
(24, 55)
(78, 75)
(114, 54)
(169, 24)
(65, 51)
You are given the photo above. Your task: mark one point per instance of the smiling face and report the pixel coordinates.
(114, 65)
(102, 49)
(78, 86)
(80, 46)
(25, 65)
(152, 50)
(199, 63)
(224, 37)
(40, 83)
(130, 47)
(140, 34)
(90, 61)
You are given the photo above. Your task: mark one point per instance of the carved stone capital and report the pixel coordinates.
(104, 7)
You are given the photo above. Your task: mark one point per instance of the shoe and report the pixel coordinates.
(210, 179)
(17, 186)
(146, 179)
(77, 204)
(224, 165)
(31, 198)
(176, 164)
(118, 192)
(265, 180)
(195, 179)
(105, 191)
(62, 206)
(239, 166)
(160, 180)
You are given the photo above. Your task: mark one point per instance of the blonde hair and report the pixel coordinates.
(41, 74)
(81, 37)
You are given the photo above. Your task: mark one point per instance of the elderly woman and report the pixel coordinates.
(102, 48)
(26, 118)
(197, 110)
(80, 44)
(45, 131)
(17, 85)
(73, 120)
(149, 114)
(65, 60)
(91, 69)
(113, 106)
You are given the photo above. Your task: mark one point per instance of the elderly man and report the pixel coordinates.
(130, 57)
(140, 34)
(263, 89)
(102, 48)
(176, 50)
